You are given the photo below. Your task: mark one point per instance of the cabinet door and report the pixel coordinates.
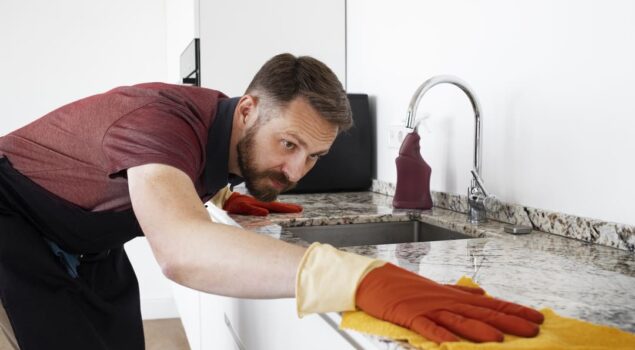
(238, 36)
(214, 333)
(274, 324)
(188, 303)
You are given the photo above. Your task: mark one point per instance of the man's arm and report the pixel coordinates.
(226, 260)
(200, 254)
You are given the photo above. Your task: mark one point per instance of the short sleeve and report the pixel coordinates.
(154, 134)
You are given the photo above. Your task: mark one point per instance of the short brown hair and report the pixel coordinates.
(285, 77)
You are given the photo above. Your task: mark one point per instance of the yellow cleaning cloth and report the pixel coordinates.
(556, 332)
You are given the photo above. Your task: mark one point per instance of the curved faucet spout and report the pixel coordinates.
(449, 79)
(478, 198)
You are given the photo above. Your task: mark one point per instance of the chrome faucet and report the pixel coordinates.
(479, 200)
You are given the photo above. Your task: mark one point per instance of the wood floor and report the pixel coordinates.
(167, 334)
(4, 343)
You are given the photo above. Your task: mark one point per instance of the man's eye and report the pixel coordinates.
(288, 145)
(315, 157)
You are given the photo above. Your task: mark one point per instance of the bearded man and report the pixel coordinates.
(79, 182)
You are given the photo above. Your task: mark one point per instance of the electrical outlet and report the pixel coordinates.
(396, 135)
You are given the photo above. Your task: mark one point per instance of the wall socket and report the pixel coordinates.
(396, 135)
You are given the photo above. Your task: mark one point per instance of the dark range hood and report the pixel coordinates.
(349, 164)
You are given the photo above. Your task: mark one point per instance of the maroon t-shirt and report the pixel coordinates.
(80, 151)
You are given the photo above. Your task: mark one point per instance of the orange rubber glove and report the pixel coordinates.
(247, 205)
(441, 313)
(473, 290)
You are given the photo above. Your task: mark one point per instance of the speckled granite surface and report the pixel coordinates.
(590, 230)
(575, 278)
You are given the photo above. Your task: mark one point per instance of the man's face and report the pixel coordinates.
(278, 150)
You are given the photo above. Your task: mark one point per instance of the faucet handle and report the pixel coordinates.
(479, 182)
(480, 194)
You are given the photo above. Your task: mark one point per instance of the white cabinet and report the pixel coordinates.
(215, 333)
(189, 307)
(202, 316)
(238, 36)
(216, 322)
(273, 324)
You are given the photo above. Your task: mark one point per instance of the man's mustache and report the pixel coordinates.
(281, 178)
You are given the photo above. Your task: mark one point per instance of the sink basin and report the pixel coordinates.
(375, 233)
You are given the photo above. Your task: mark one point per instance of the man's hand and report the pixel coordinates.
(247, 205)
(441, 313)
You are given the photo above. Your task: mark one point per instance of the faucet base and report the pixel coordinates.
(476, 215)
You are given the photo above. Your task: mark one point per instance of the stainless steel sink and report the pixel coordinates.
(375, 233)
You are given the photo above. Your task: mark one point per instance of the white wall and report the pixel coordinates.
(54, 52)
(239, 36)
(181, 29)
(556, 83)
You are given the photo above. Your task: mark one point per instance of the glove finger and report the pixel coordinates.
(234, 200)
(507, 323)
(432, 331)
(527, 313)
(467, 328)
(473, 290)
(279, 207)
(243, 208)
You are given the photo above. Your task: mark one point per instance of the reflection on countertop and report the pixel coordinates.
(577, 279)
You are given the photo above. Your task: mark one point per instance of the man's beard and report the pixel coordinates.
(246, 155)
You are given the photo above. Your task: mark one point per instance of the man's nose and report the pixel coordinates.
(295, 167)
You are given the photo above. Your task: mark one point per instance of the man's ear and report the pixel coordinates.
(247, 111)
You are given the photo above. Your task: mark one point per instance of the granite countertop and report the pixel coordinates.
(576, 279)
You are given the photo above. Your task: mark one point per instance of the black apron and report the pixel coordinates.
(47, 307)
(99, 309)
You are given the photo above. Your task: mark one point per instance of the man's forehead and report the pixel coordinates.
(305, 122)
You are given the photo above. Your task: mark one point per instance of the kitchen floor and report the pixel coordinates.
(166, 334)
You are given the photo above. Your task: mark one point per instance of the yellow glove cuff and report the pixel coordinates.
(327, 279)
(221, 197)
